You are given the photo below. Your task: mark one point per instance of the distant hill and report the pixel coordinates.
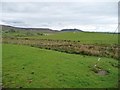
(71, 30)
(11, 28)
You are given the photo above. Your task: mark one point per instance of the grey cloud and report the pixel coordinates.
(59, 14)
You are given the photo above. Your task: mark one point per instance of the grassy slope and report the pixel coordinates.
(53, 69)
(84, 37)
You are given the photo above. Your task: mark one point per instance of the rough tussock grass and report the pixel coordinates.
(67, 46)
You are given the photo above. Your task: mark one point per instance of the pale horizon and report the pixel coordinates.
(86, 16)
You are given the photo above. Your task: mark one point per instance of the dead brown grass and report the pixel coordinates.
(67, 46)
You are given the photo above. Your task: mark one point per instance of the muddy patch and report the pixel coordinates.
(102, 72)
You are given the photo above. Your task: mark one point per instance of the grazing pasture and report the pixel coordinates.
(30, 67)
(32, 58)
(81, 37)
(85, 37)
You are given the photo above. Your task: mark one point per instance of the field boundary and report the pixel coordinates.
(67, 46)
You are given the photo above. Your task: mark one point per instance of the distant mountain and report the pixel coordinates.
(6, 28)
(71, 30)
(12, 28)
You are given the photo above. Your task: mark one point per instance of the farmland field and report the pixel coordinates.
(30, 67)
(85, 37)
(35, 59)
(82, 37)
(60, 44)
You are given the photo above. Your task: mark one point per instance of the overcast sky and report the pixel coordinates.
(84, 15)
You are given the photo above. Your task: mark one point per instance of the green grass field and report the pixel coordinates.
(86, 38)
(29, 67)
(83, 37)
(32, 67)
